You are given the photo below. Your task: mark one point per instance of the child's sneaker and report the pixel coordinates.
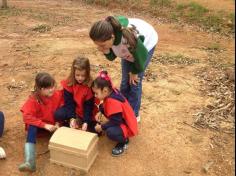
(119, 148)
(138, 118)
(2, 153)
(126, 144)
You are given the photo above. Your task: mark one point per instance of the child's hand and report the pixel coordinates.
(98, 128)
(84, 126)
(50, 127)
(73, 123)
(57, 125)
(98, 117)
(133, 78)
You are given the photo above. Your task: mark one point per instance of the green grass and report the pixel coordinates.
(53, 18)
(42, 28)
(160, 3)
(191, 13)
(214, 47)
(11, 11)
(194, 13)
(89, 1)
(220, 64)
(174, 59)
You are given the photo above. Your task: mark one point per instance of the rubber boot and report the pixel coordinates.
(29, 164)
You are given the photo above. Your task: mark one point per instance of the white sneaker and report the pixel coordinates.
(138, 118)
(2, 153)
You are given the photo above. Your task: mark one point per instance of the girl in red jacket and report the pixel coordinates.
(78, 97)
(38, 113)
(122, 122)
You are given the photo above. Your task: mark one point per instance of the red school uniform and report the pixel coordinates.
(81, 93)
(39, 113)
(114, 106)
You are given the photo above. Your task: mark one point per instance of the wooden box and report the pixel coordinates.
(73, 148)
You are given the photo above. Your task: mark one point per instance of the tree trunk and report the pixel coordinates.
(4, 3)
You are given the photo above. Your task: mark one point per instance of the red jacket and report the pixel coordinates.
(81, 93)
(38, 114)
(114, 106)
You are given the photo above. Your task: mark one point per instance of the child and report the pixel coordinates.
(38, 113)
(78, 96)
(2, 152)
(134, 41)
(121, 123)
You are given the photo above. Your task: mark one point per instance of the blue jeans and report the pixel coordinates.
(132, 92)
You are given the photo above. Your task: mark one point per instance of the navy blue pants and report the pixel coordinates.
(62, 115)
(1, 123)
(33, 131)
(115, 133)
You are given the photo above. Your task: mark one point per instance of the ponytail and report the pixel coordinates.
(114, 23)
(104, 29)
(129, 33)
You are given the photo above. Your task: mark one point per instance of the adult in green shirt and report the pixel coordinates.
(133, 40)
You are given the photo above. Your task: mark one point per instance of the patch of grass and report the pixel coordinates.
(11, 11)
(191, 13)
(89, 1)
(42, 28)
(220, 64)
(161, 3)
(213, 22)
(196, 14)
(104, 2)
(179, 59)
(55, 19)
(231, 21)
(214, 47)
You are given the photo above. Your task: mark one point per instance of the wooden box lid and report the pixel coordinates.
(72, 140)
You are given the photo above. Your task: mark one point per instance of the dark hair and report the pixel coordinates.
(102, 30)
(101, 83)
(80, 63)
(42, 80)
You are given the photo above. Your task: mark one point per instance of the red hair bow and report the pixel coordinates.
(107, 78)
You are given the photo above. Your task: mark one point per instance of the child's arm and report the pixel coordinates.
(114, 120)
(30, 119)
(69, 103)
(88, 109)
(29, 111)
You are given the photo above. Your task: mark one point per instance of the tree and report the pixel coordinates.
(4, 3)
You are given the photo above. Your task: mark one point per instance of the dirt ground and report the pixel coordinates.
(165, 146)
